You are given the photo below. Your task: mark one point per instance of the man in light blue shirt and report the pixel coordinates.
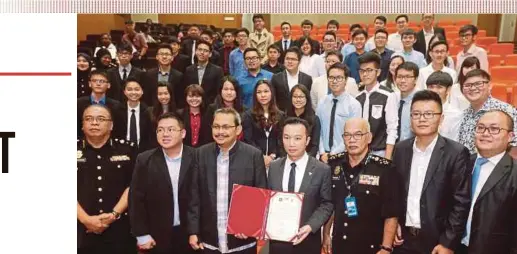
(334, 110)
(405, 78)
(236, 65)
(249, 78)
(349, 48)
(409, 54)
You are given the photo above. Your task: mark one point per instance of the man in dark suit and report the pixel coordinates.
(208, 36)
(219, 166)
(299, 172)
(284, 81)
(286, 42)
(307, 26)
(424, 36)
(434, 174)
(211, 75)
(188, 43)
(160, 190)
(164, 73)
(118, 76)
(99, 83)
(179, 61)
(135, 124)
(492, 222)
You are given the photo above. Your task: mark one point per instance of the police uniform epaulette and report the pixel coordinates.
(336, 156)
(379, 160)
(123, 142)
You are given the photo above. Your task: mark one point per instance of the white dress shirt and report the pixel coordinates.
(137, 115)
(450, 126)
(292, 80)
(484, 173)
(313, 65)
(121, 71)
(428, 37)
(301, 165)
(457, 98)
(395, 42)
(425, 72)
(419, 165)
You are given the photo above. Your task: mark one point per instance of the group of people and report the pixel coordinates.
(396, 150)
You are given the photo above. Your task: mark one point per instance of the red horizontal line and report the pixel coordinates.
(35, 74)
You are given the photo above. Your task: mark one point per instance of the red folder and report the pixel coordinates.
(248, 211)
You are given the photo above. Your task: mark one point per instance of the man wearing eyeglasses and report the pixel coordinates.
(204, 73)
(438, 52)
(406, 75)
(476, 89)
(468, 35)
(99, 83)
(365, 194)
(379, 105)
(492, 224)
(424, 36)
(434, 171)
(249, 78)
(220, 165)
(104, 169)
(160, 190)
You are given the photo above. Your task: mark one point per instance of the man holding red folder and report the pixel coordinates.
(299, 172)
(219, 166)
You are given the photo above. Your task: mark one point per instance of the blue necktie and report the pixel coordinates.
(475, 173)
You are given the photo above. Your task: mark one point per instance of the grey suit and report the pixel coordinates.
(317, 204)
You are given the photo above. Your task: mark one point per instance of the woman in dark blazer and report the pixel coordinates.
(229, 95)
(302, 108)
(192, 115)
(261, 123)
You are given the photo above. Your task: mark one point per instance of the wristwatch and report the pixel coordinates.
(388, 249)
(116, 214)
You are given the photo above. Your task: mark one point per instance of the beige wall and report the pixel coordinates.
(144, 17)
(321, 19)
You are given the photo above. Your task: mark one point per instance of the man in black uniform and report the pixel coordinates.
(365, 197)
(104, 168)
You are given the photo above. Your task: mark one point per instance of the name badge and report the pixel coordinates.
(369, 180)
(351, 207)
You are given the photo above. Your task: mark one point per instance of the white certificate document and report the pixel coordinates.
(283, 218)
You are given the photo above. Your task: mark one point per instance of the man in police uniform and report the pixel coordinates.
(104, 168)
(364, 193)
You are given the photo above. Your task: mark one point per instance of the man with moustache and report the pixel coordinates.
(435, 183)
(220, 165)
(104, 169)
(492, 224)
(160, 190)
(368, 183)
(301, 173)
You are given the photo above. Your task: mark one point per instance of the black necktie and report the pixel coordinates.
(332, 118)
(401, 106)
(132, 127)
(124, 76)
(292, 178)
(285, 45)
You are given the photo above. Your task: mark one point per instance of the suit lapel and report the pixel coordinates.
(185, 163)
(501, 169)
(161, 166)
(286, 83)
(434, 162)
(307, 177)
(407, 163)
(211, 177)
(125, 123)
(206, 74)
(278, 179)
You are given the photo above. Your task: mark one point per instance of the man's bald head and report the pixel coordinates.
(357, 123)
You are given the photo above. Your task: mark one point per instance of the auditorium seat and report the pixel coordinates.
(500, 91)
(486, 40)
(510, 59)
(495, 60)
(503, 74)
(501, 48)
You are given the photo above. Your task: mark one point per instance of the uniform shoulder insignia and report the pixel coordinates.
(336, 156)
(379, 160)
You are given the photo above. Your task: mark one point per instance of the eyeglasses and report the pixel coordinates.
(439, 51)
(427, 115)
(223, 127)
(380, 38)
(203, 50)
(356, 136)
(289, 59)
(162, 131)
(491, 130)
(124, 53)
(164, 54)
(366, 71)
(100, 119)
(465, 35)
(333, 79)
(404, 77)
(99, 81)
(475, 85)
(254, 58)
(329, 41)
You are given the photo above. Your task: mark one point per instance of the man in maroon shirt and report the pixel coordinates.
(224, 52)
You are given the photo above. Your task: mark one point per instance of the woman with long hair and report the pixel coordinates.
(192, 115)
(396, 60)
(261, 123)
(84, 66)
(449, 62)
(229, 96)
(302, 108)
(456, 97)
(163, 103)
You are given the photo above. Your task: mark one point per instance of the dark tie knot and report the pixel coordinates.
(293, 165)
(132, 110)
(334, 100)
(124, 70)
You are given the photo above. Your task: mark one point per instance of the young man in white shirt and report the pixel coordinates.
(409, 54)
(438, 53)
(468, 35)
(395, 39)
(378, 23)
(441, 83)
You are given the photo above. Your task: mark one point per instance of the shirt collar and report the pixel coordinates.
(295, 76)
(430, 33)
(303, 160)
(494, 159)
(137, 108)
(175, 159)
(429, 149)
(128, 68)
(375, 87)
(101, 101)
(218, 148)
